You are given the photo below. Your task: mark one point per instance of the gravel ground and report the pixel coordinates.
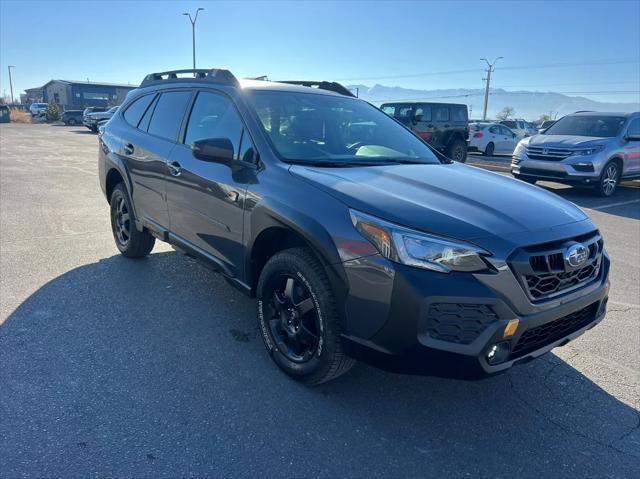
(155, 368)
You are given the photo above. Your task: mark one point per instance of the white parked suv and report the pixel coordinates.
(491, 138)
(37, 109)
(519, 127)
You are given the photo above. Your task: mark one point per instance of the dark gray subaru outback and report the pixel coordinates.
(358, 239)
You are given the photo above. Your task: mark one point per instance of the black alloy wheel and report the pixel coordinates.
(293, 320)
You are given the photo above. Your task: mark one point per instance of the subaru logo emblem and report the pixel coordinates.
(576, 255)
(545, 151)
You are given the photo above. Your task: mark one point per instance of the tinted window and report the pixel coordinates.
(214, 116)
(306, 127)
(168, 114)
(634, 127)
(442, 113)
(494, 130)
(506, 131)
(425, 111)
(247, 150)
(509, 124)
(459, 113)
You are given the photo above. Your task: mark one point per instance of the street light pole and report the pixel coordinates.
(193, 21)
(486, 90)
(9, 67)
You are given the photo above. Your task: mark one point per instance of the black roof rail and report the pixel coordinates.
(322, 85)
(215, 75)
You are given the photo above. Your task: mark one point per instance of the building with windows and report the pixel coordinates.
(76, 95)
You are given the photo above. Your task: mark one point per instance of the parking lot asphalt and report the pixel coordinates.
(112, 367)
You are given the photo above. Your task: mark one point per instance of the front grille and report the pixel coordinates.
(548, 154)
(543, 273)
(552, 331)
(458, 322)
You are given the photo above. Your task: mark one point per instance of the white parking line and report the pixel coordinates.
(612, 205)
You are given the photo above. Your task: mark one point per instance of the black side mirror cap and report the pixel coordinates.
(215, 150)
(632, 137)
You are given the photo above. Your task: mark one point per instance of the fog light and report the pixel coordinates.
(510, 328)
(498, 352)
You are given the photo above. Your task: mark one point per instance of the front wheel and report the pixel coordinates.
(298, 318)
(131, 242)
(609, 179)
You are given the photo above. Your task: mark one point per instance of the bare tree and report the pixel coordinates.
(506, 112)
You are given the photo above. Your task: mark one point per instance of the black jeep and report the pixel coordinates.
(445, 126)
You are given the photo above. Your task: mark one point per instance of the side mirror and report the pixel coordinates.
(632, 137)
(215, 150)
(513, 135)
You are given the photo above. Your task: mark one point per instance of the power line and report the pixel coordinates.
(477, 70)
(479, 93)
(571, 84)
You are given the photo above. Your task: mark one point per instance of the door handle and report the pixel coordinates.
(174, 168)
(128, 149)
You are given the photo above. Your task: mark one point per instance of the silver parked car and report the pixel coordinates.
(587, 148)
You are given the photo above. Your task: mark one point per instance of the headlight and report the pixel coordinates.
(421, 250)
(588, 151)
(520, 149)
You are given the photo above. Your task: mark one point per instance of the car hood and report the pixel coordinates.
(566, 141)
(450, 199)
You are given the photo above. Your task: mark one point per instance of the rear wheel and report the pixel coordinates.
(488, 151)
(608, 179)
(457, 151)
(298, 318)
(131, 242)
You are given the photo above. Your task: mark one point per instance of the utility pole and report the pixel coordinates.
(486, 90)
(193, 32)
(9, 67)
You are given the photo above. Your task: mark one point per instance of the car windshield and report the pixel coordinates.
(316, 128)
(592, 125)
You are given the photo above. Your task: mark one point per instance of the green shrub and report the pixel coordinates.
(53, 111)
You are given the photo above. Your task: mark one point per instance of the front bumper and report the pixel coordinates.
(389, 318)
(571, 170)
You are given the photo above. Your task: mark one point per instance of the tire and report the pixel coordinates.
(488, 151)
(457, 151)
(609, 179)
(526, 179)
(71, 122)
(131, 242)
(298, 318)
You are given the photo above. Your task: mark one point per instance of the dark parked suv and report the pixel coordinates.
(445, 126)
(358, 239)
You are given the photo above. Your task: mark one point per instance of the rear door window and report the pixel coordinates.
(442, 113)
(168, 114)
(425, 111)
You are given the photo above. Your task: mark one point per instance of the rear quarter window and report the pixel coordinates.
(136, 109)
(459, 113)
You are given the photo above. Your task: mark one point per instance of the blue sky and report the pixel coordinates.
(367, 42)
